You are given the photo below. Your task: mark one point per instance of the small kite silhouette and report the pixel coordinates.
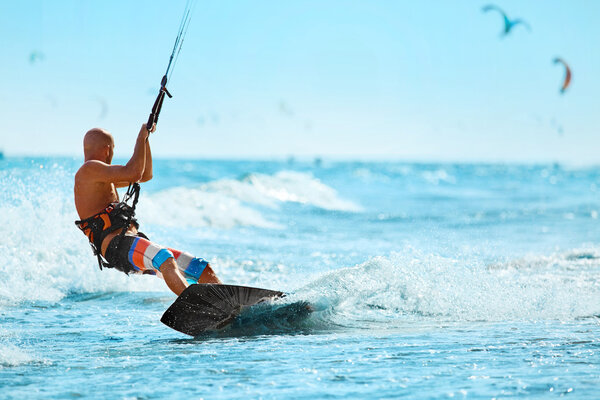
(103, 107)
(36, 56)
(567, 80)
(285, 109)
(508, 23)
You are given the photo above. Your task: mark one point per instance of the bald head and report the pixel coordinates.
(98, 145)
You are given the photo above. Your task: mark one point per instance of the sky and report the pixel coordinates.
(371, 79)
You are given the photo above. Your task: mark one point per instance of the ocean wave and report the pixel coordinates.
(43, 256)
(226, 203)
(575, 259)
(286, 186)
(431, 174)
(391, 289)
(437, 176)
(12, 356)
(199, 208)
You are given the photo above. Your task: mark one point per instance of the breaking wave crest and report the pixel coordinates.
(12, 356)
(388, 290)
(43, 256)
(227, 203)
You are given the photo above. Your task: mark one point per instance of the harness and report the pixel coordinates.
(116, 216)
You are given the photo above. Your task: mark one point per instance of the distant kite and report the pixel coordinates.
(285, 109)
(508, 24)
(36, 56)
(103, 107)
(567, 80)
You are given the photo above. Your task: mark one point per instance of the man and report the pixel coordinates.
(103, 217)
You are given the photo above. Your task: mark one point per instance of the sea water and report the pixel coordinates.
(428, 281)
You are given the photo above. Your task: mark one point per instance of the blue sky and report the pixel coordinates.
(426, 80)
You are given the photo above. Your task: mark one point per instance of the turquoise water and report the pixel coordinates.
(429, 281)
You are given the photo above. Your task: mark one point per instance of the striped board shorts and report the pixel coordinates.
(135, 254)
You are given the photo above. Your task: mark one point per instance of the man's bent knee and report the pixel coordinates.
(161, 258)
(173, 278)
(168, 266)
(208, 276)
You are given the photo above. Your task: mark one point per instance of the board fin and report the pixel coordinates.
(208, 306)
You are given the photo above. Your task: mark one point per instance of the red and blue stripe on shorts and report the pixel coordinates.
(147, 257)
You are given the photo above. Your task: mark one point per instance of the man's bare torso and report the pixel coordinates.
(91, 197)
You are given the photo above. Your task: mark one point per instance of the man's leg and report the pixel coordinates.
(173, 278)
(147, 257)
(208, 276)
(194, 269)
(175, 266)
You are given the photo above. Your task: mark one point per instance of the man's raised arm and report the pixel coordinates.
(147, 175)
(130, 172)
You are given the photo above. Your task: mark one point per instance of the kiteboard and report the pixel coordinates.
(208, 307)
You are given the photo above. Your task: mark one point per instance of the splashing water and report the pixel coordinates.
(387, 290)
(443, 279)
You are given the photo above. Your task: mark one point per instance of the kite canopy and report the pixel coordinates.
(567, 80)
(36, 56)
(509, 24)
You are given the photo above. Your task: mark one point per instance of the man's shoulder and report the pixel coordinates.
(89, 163)
(88, 168)
(92, 165)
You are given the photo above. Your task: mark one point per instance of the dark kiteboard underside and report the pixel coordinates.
(209, 307)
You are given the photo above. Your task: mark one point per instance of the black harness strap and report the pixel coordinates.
(132, 191)
(123, 210)
(101, 260)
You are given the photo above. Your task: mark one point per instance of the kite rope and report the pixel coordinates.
(183, 28)
(134, 188)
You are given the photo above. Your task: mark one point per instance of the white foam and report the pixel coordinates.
(12, 356)
(227, 203)
(285, 186)
(437, 176)
(431, 286)
(43, 256)
(198, 208)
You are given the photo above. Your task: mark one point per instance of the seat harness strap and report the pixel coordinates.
(121, 216)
